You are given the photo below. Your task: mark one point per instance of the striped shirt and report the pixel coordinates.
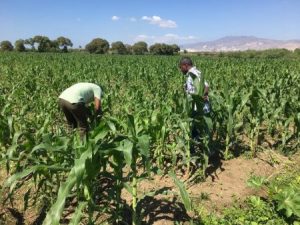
(189, 85)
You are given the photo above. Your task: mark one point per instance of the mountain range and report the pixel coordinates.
(240, 43)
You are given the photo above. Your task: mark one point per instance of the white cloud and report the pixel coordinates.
(143, 37)
(78, 19)
(132, 19)
(156, 20)
(167, 38)
(115, 18)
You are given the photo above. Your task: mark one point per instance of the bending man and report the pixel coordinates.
(73, 102)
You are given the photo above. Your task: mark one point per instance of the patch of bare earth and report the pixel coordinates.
(225, 183)
(12, 211)
(228, 182)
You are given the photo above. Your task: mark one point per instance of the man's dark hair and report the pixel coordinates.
(186, 60)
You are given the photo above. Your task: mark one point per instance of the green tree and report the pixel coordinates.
(45, 44)
(297, 51)
(42, 42)
(54, 46)
(275, 53)
(37, 39)
(155, 49)
(6, 46)
(63, 43)
(98, 46)
(161, 49)
(167, 49)
(118, 48)
(30, 41)
(129, 49)
(175, 48)
(140, 48)
(19, 45)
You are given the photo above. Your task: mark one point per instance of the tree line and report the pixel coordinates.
(40, 43)
(278, 53)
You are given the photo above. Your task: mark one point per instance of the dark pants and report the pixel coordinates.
(195, 135)
(76, 115)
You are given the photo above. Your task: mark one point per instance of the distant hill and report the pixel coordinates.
(240, 43)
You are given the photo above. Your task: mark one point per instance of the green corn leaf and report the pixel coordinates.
(230, 125)
(143, 145)
(102, 134)
(245, 99)
(78, 213)
(208, 122)
(256, 181)
(11, 181)
(131, 125)
(238, 126)
(154, 116)
(112, 126)
(126, 146)
(128, 187)
(12, 149)
(289, 201)
(183, 193)
(26, 199)
(75, 175)
(10, 124)
(162, 191)
(44, 146)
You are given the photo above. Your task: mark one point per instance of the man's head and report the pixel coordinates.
(185, 64)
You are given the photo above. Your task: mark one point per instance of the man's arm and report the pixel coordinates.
(97, 103)
(206, 90)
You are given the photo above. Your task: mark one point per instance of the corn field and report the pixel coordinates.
(145, 127)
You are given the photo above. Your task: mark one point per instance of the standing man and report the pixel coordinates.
(193, 80)
(197, 91)
(73, 102)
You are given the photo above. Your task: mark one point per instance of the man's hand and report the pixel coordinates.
(206, 90)
(205, 97)
(98, 109)
(99, 113)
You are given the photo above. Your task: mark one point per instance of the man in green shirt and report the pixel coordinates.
(73, 102)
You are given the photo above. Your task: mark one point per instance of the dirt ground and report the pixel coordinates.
(225, 184)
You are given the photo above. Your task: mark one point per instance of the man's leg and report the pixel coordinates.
(195, 132)
(81, 113)
(66, 107)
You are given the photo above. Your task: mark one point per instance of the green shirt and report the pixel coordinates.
(81, 92)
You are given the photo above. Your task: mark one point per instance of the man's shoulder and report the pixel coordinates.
(194, 72)
(85, 85)
(193, 75)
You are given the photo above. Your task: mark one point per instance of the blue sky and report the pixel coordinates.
(169, 21)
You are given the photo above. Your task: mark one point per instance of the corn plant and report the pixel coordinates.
(255, 117)
(135, 147)
(227, 106)
(147, 119)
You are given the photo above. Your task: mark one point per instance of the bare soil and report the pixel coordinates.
(225, 184)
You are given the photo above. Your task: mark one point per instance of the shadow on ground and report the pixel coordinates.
(154, 210)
